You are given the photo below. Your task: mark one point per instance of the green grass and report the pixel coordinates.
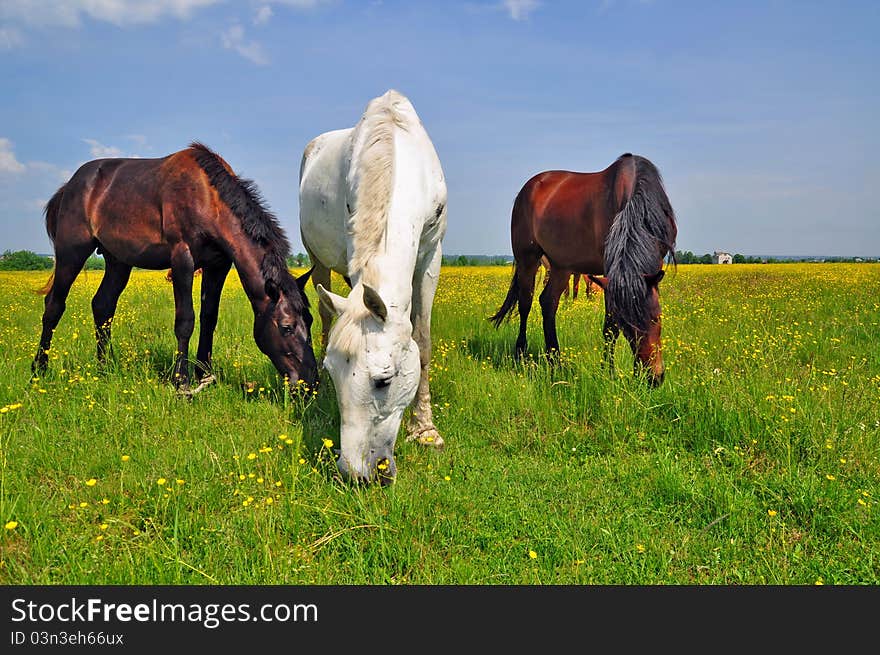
(756, 462)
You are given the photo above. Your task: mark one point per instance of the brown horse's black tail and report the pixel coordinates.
(509, 303)
(51, 211)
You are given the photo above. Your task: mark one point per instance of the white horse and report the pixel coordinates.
(372, 204)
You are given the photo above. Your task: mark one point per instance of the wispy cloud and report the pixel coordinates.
(263, 15)
(8, 162)
(10, 38)
(98, 149)
(520, 9)
(234, 39)
(119, 12)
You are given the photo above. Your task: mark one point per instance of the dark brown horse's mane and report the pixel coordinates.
(246, 202)
(641, 237)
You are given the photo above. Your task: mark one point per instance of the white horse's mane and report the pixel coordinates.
(373, 173)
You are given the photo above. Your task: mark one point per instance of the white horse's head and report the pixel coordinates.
(374, 363)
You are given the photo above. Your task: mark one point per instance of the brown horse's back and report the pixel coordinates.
(566, 215)
(137, 210)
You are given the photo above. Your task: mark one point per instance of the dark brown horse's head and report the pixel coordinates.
(643, 334)
(283, 333)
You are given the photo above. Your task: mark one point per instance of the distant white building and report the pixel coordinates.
(723, 257)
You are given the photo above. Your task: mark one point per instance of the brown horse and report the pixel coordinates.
(186, 211)
(618, 223)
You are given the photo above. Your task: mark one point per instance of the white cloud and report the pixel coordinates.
(263, 15)
(520, 9)
(98, 149)
(301, 4)
(68, 13)
(8, 161)
(10, 38)
(234, 39)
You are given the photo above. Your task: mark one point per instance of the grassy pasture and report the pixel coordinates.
(757, 461)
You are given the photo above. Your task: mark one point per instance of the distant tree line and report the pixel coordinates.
(687, 257)
(475, 260)
(27, 260)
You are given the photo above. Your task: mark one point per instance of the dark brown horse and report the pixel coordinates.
(618, 223)
(186, 211)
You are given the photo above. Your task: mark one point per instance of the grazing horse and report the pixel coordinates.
(185, 211)
(617, 222)
(373, 208)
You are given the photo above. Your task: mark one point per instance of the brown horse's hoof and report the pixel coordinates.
(427, 437)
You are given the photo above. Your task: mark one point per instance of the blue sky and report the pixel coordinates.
(761, 116)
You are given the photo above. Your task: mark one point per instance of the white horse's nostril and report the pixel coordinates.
(381, 383)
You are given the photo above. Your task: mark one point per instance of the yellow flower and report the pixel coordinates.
(302, 461)
(771, 512)
(179, 481)
(84, 504)
(828, 476)
(105, 501)
(447, 478)
(533, 555)
(11, 525)
(252, 456)
(328, 443)
(270, 500)
(161, 481)
(819, 582)
(103, 526)
(125, 458)
(100, 537)
(91, 482)
(640, 548)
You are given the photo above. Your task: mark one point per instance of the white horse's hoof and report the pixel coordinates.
(427, 437)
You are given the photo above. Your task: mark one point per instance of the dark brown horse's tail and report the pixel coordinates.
(51, 211)
(509, 303)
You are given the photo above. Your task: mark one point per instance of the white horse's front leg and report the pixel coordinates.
(420, 425)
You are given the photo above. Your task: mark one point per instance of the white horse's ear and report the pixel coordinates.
(374, 303)
(330, 301)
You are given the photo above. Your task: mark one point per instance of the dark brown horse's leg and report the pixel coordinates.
(104, 302)
(526, 268)
(213, 279)
(549, 300)
(182, 268)
(68, 264)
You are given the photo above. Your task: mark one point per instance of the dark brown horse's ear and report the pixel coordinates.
(654, 280)
(374, 303)
(598, 280)
(273, 291)
(302, 279)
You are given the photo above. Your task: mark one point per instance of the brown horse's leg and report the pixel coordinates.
(213, 279)
(68, 264)
(104, 302)
(182, 268)
(526, 268)
(549, 300)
